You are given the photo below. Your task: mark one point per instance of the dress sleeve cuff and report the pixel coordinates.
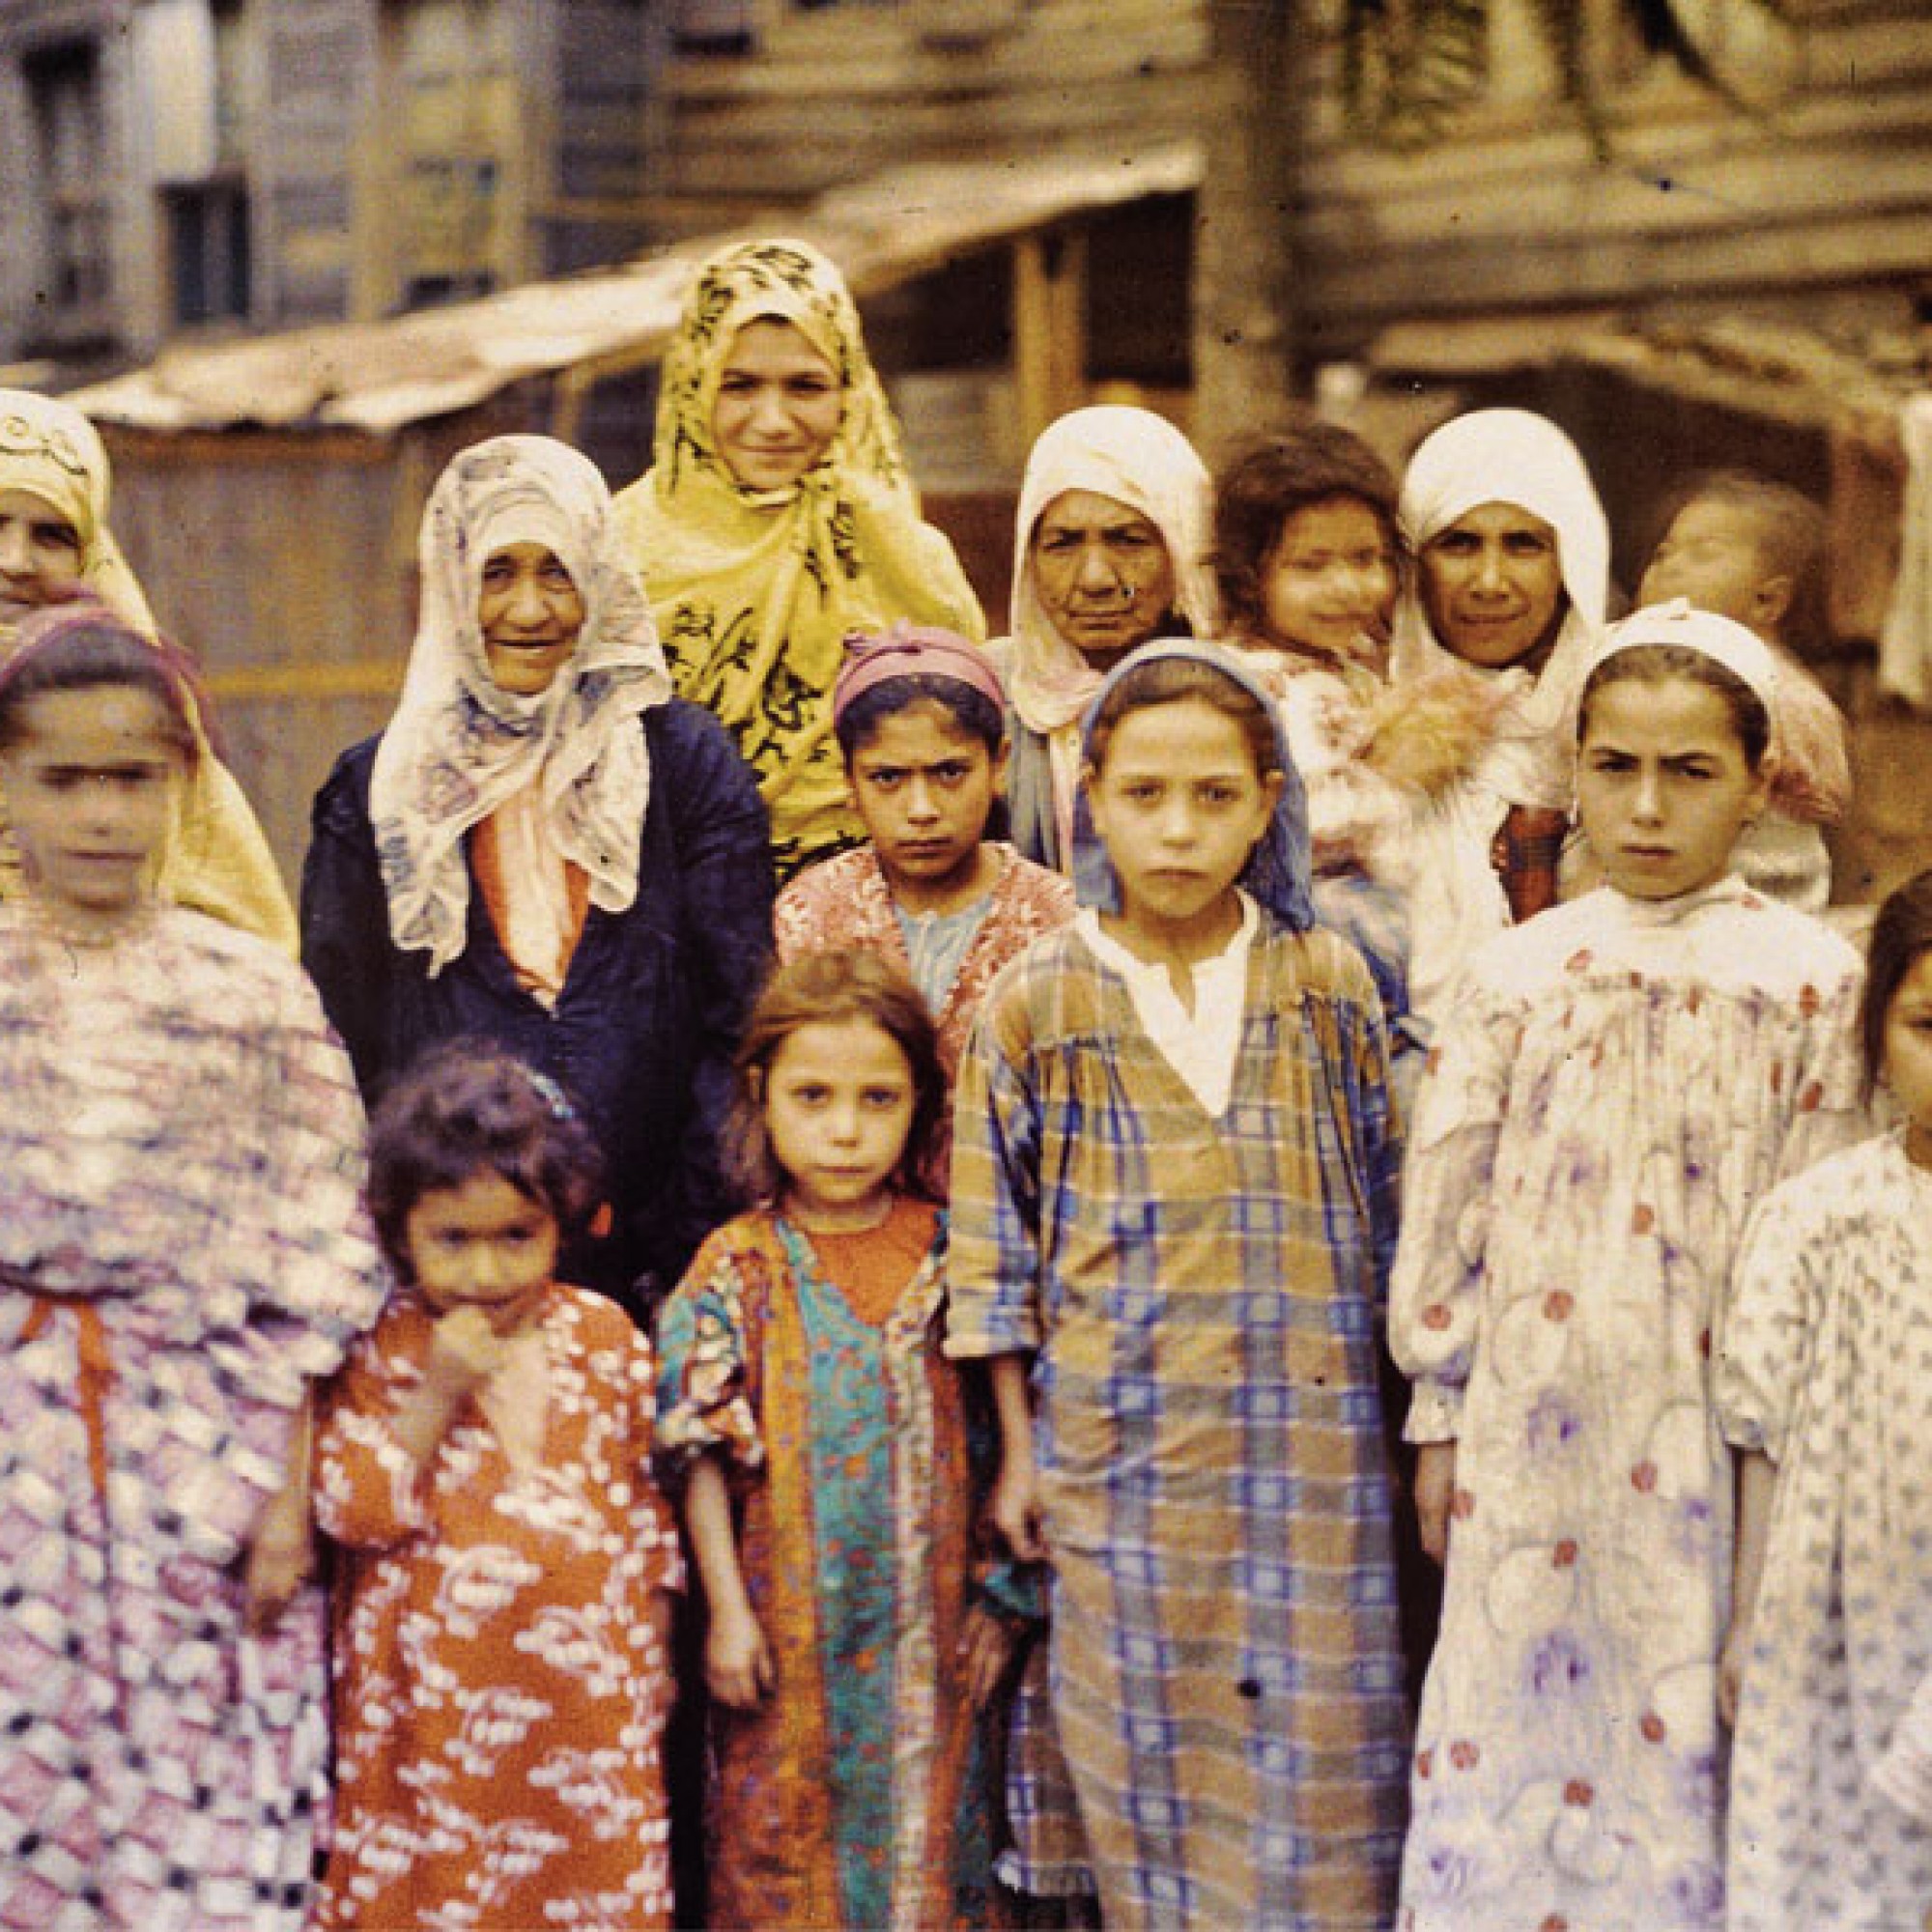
(1434, 1413)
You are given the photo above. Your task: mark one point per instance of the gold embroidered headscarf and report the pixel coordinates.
(220, 864)
(754, 590)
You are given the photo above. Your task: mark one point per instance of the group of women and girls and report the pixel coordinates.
(992, 1276)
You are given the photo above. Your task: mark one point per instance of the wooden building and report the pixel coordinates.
(200, 165)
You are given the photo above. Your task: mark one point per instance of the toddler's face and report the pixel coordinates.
(485, 1244)
(1329, 585)
(1711, 556)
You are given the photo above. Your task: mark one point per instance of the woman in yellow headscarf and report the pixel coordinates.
(55, 545)
(777, 516)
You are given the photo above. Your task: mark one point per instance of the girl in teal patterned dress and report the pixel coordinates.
(823, 1445)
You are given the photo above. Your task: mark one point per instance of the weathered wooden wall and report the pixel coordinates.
(829, 96)
(1823, 196)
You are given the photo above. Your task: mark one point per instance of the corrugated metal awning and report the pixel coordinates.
(378, 376)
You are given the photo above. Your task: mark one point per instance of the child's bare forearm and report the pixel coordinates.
(714, 1539)
(1757, 1484)
(1013, 1406)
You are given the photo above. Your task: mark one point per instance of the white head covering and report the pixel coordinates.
(1512, 456)
(459, 747)
(1138, 459)
(1679, 623)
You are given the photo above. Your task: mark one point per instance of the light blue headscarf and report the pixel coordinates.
(1277, 874)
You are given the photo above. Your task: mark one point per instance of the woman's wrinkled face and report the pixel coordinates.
(40, 553)
(778, 407)
(1491, 586)
(531, 614)
(1101, 573)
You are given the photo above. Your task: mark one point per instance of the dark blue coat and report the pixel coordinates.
(642, 1033)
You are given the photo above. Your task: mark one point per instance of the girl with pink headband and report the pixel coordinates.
(920, 718)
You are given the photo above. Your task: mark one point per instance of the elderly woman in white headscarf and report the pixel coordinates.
(55, 545)
(548, 849)
(1110, 548)
(1512, 557)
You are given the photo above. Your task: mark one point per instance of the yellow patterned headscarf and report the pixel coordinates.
(220, 864)
(754, 590)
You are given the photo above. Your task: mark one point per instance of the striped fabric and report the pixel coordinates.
(1200, 1295)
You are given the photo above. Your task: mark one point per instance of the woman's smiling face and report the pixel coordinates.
(531, 614)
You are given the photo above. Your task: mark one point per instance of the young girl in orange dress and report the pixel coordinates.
(485, 1464)
(823, 1440)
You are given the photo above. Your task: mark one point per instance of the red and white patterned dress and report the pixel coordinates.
(501, 1669)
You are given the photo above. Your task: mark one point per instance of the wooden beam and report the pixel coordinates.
(1049, 326)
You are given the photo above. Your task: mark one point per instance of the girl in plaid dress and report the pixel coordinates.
(1172, 1210)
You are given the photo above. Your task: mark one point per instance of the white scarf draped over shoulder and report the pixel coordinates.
(1138, 459)
(1513, 456)
(459, 747)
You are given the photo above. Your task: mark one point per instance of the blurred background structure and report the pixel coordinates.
(292, 252)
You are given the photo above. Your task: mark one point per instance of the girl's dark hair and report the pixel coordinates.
(832, 989)
(92, 652)
(465, 1108)
(971, 709)
(1653, 664)
(1792, 536)
(1901, 932)
(1266, 481)
(1165, 680)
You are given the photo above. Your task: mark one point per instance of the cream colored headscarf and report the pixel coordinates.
(1512, 456)
(49, 449)
(1138, 459)
(754, 590)
(459, 747)
(219, 863)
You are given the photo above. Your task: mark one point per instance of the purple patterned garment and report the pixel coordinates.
(182, 1249)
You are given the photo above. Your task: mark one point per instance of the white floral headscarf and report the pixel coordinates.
(459, 747)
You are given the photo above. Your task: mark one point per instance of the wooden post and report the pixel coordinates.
(1049, 326)
(1245, 327)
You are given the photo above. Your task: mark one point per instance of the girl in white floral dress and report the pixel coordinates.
(1823, 1386)
(1620, 1081)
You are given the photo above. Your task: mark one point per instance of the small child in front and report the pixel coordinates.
(1173, 1204)
(1754, 551)
(1821, 1387)
(1621, 1079)
(823, 1445)
(484, 1462)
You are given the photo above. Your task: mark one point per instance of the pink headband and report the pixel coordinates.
(912, 651)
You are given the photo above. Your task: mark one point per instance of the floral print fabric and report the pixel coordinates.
(1620, 1084)
(1826, 1366)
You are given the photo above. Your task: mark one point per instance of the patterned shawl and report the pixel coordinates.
(1138, 459)
(218, 863)
(755, 589)
(1510, 455)
(459, 747)
(1278, 875)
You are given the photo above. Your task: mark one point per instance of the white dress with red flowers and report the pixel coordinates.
(1619, 1084)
